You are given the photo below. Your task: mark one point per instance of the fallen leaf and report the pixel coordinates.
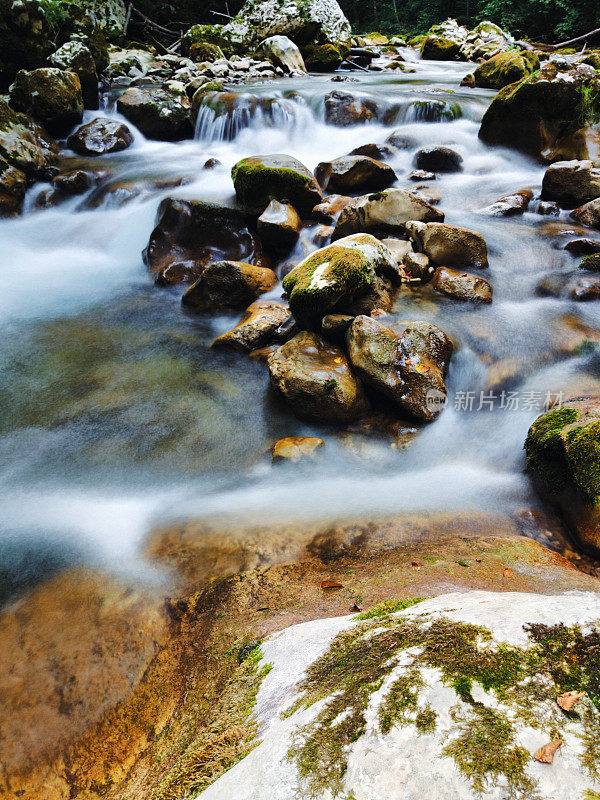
(416, 564)
(355, 606)
(545, 755)
(508, 573)
(331, 585)
(567, 700)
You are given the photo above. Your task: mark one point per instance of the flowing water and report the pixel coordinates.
(115, 414)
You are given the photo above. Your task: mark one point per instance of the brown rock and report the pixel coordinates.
(257, 327)
(588, 214)
(75, 182)
(417, 265)
(330, 209)
(571, 183)
(279, 226)
(387, 211)
(380, 152)
(510, 204)
(295, 448)
(449, 245)
(159, 113)
(438, 159)
(99, 137)
(461, 285)
(13, 185)
(344, 109)
(583, 247)
(228, 284)
(335, 326)
(354, 174)
(574, 285)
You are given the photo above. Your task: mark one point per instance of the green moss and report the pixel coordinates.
(505, 68)
(583, 449)
(322, 57)
(258, 180)
(545, 450)
(591, 263)
(401, 704)
(388, 607)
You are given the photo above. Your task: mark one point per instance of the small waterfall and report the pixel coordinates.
(429, 111)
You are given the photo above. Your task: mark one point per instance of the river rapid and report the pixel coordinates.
(115, 414)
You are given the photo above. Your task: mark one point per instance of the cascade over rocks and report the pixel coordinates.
(52, 96)
(100, 137)
(540, 111)
(571, 183)
(23, 143)
(315, 379)
(354, 174)
(388, 211)
(335, 276)
(159, 113)
(449, 245)
(189, 234)
(228, 284)
(260, 179)
(406, 362)
(563, 456)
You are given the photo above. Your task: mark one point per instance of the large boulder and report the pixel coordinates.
(537, 112)
(76, 57)
(23, 143)
(406, 362)
(189, 234)
(50, 95)
(439, 48)
(451, 41)
(571, 183)
(325, 57)
(100, 137)
(107, 15)
(354, 174)
(159, 113)
(333, 277)
(283, 53)
(315, 379)
(505, 68)
(257, 327)
(260, 179)
(305, 22)
(27, 37)
(563, 456)
(449, 245)
(228, 284)
(387, 211)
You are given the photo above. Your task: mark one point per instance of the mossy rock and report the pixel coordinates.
(23, 143)
(505, 68)
(206, 35)
(591, 263)
(50, 95)
(322, 57)
(438, 48)
(204, 51)
(26, 38)
(260, 179)
(335, 276)
(159, 113)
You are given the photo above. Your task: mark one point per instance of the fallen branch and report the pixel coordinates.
(220, 14)
(578, 39)
(151, 24)
(127, 18)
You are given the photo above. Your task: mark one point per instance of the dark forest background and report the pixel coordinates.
(543, 20)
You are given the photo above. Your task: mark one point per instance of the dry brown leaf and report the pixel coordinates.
(355, 606)
(567, 700)
(331, 585)
(508, 573)
(545, 755)
(416, 564)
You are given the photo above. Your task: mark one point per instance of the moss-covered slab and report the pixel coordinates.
(563, 455)
(260, 179)
(505, 68)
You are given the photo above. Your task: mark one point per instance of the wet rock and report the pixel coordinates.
(571, 183)
(323, 57)
(77, 181)
(52, 96)
(438, 159)
(100, 137)
(461, 285)
(581, 145)
(387, 211)
(315, 379)
(331, 208)
(400, 141)
(380, 152)
(573, 285)
(77, 58)
(197, 232)
(417, 266)
(13, 185)
(449, 245)
(344, 109)
(406, 362)
(563, 455)
(354, 174)
(591, 263)
(468, 81)
(27, 36)
(548, 208)
(335, 326)
(399, 248)
(451, 41)
(257, 328)
(582, 247)
(23, 143)
(283, 53)
(279, 226)
(535, 113)
(421, 175)
(158, 113)
(296, 448)
(335, 276)
(228, 284)
(260, 179)
(510, 205)
(505, 68)
(438, 48)
(588, 214)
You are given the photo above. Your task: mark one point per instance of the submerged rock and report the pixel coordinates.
(563, 455)
(387, 211)
(461, 285)
(571, 183)
(315, 379)
(158, 113)
(100, 137)
(257, 328)
(449, 245)
(406, 362)
(354, 174)
(260, 179)
(505, 68)
(228, 284)
(23, 143)
(335, 276)
(52, 96)
(573, 285)
(194, 233)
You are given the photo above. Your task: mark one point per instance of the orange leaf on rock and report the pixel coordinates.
(567, 700)
(545, 755)
(331, 585)
(508, 573)
(416, 564)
